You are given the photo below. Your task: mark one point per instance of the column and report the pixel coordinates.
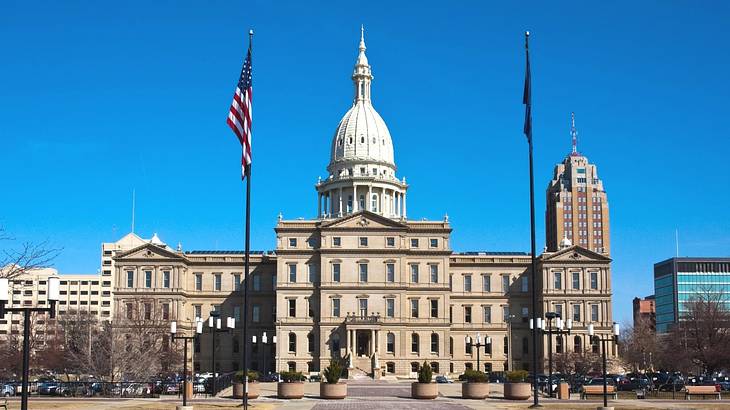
(382, 202)
(355, 202)
(332, 203)
(372, 341)
(405, 214)
(319, 205)
(339, 209)
(368, 200)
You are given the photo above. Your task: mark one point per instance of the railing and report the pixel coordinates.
(364, 319)
(97, 389)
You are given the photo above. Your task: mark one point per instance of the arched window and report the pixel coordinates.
(434, 343)
(374, 203)
(467, 347)
(414, 343)
(310, 343)
(390, 343)
(577, 344)
(435, 367)
(292, 343)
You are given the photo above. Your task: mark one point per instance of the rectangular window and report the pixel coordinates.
(576, 313)
(505, 283)
(363, 272)
(594, 313)
(198, 312)
(312, 272)
(486, 283)
(336, 241)
(363, 241)
(559, 309)
(363, 305)
(525, 312)
(130, 279)
(336, 307)
(256, 282)
(292, 273)
(414, 308)
(292, 307)
(292, 242)
(434, 308)
(148, 311)
(390, 307)
(237, 282)
(558, 276)
(594, 280)
(467, 314)
(310, 308)
(576, 280)
(217, 281)
(335, 272)
(433, 243)
(467, 283)
(414, 242)
(166, 279)
(390, 346)
(237, 313)
(165, 311)
(525, 284)
(198, 281)
(148, 278)
(505, 314)
(487, 314)
(256, 313)
(390, 242)
(390, 272)
(130, 311)
(414, 273)
(434, 273)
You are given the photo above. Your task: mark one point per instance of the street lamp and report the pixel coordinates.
(54, 292)
(173, 333)
(559, 324)
(595, 338)
(214, 326)
(265, 342)
(479, 344)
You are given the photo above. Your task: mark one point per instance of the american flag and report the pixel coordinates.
(239, 116)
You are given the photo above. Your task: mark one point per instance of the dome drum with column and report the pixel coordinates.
(362, 168)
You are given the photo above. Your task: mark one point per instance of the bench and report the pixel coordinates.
(598, 391)
(4, 405)
(701, 391)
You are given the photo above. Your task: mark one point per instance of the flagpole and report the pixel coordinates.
(246, 264)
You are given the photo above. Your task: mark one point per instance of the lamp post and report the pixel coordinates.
(595, 338)
(559, 324)
(54, 292)
(479, 344)
(214, 326)
(265, 342)
(173, 334)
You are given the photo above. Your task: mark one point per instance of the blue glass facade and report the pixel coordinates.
(678, 280)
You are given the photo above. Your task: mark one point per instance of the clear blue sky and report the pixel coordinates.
(99, 98)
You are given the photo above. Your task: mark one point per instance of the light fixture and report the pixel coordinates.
(591, 332)
(264, 339)
(173, 327)
(54, 289)
(210, 322)
(199, 327)
(253, 339)
(569, 324)
(4, 290)
(615, 329)
(218, 323)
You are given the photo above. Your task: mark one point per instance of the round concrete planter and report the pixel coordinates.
(294, 390)
(424, 390)
(474, 390)
(254, 390)
(336, 391)
(517, 391)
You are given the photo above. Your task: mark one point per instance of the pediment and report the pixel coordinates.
(364, 220)
(148, 252)
(575, 253)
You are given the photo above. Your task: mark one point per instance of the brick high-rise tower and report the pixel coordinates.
(577, 206)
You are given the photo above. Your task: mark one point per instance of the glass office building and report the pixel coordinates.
(678, 280)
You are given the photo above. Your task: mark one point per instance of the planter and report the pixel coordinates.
(426, 391)
(474, 390)
(294, 390)
(254, 390)
(517, 391)
(333, 391)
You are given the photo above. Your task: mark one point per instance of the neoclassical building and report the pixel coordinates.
(363, 283)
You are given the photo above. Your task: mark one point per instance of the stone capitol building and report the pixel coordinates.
(363, 283)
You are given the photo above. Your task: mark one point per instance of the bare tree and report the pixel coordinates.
(639, 346)
(27, 256)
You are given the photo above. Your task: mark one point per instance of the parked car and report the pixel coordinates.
(270, 377)
(198, 387)
(48, 388)
(496, 378)
(171, 388)
(598, 381)
(7, 390)
(442, 379)
(674, 383)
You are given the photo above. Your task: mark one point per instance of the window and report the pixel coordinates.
(165, 311)
(292, 242)
(467, 314)
(594, 346)
(434, 343)
(336, 343)
(414, 308)
(486, 283)
(525, 313)
(148, 311)
(505, 283)
(292, 307)
(559, 345)
(336, 307)
(292, 365)
(390, 343)
(505, 314)
(594, 280)
(467, 283)
(434, 273)
(337, 241)
(130, 279)
(559, 309)
(576, 280)
(390, 367)
(576, 313)
(434, 308)
(166, 279)
(505, 344)
(197, 309)
(594, 313)
(487, 314)
(374, 203)
(217, 282)
(310, 307)
(148, 278)
(468, 347)
(390, 242)
(525, 284)
(256, 282)
(335, 272)
(292, 273)
(312, 272)
(434, 243)
(577, 344)
(363, 272)
(414, 344)
(292, 343)
(390, 272)
(558, 276)
(363, 241)
(363, 306)
(525, 346)
(237, 282)
(414, 242)
(130, 311)
(390, 307)
(310, 342)
(256, 313)
(414, 273)
(198, 281)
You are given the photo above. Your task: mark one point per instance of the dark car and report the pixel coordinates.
(48, 388)
(270, 377)
(442, 379)
(598, 381)
(672, 383)
(496, 378)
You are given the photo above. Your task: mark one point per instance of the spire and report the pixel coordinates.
(573, 134)
(361, 75)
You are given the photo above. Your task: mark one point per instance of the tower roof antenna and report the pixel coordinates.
(573, 134)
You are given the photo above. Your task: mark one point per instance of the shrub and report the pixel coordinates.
(291, 377)
(517, 376)
(333, 372)
(474, 376)
(253, 376)
(425, 373)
